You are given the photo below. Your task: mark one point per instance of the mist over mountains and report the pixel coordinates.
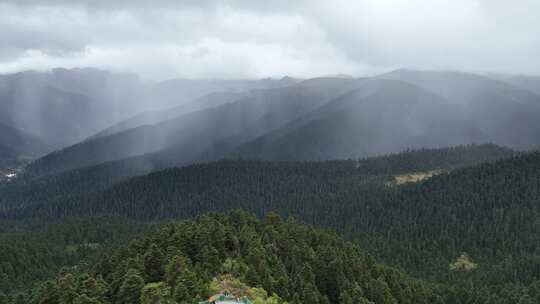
(65, 106)
(270, 152)
(92, 117)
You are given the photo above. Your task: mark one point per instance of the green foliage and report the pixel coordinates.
(67, 193)
(34, 250)
(156, 293)
(273, 250)
(488, 210)
(154, 261)
(228, 284)
(84, 299)
(421, 228)
(3, 298)
(131, 288)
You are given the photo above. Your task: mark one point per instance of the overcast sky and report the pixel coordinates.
(270, 38)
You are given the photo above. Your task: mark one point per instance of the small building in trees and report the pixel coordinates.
(222, 298)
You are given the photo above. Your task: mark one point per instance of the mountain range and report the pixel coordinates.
(433, 174)
(320, 119)
(65, 106)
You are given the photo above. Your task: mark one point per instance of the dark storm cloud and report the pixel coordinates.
(164, 38)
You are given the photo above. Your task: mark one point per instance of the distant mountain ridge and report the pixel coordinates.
(381, 116)
(190, 136)
(322, 118)
(153, 117)
(65, 106)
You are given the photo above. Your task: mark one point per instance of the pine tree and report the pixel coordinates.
(68, 288)
(84, 299)
(4, 281)
(174, 269)
(345, 298)
(130, 290)
(526, 299)
(310, 294)
(49, 293)
(3, 298)
(181, 293)
(154, 260)
(380, 293)
(92, 287)
(188, 287)
(208, 257)
(156, 293)
(20, 298)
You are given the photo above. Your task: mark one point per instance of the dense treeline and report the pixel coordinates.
(31, 191)
(413, 227)
(34, 250)
(282, 262)
(429, 159)
(419, 228)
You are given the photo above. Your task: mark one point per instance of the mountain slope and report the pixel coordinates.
(531, 83)
(65, 106)
(180, 91)
(153, 117)
(323, 119)
(504, 113)
(33, 251)
(189, 261)
(191, 96)
(189, 136)
(46, 112)
(34, 197)
(487, 211)
(16, 142)
(382, 116)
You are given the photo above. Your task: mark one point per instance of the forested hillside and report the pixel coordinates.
(269, 152)
(410, 226)
(153, 117)
(268, 260)
(444, 229)
(379, 117)
(34, 250)
(28, 194)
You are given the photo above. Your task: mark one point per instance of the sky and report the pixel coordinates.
(162, 39)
